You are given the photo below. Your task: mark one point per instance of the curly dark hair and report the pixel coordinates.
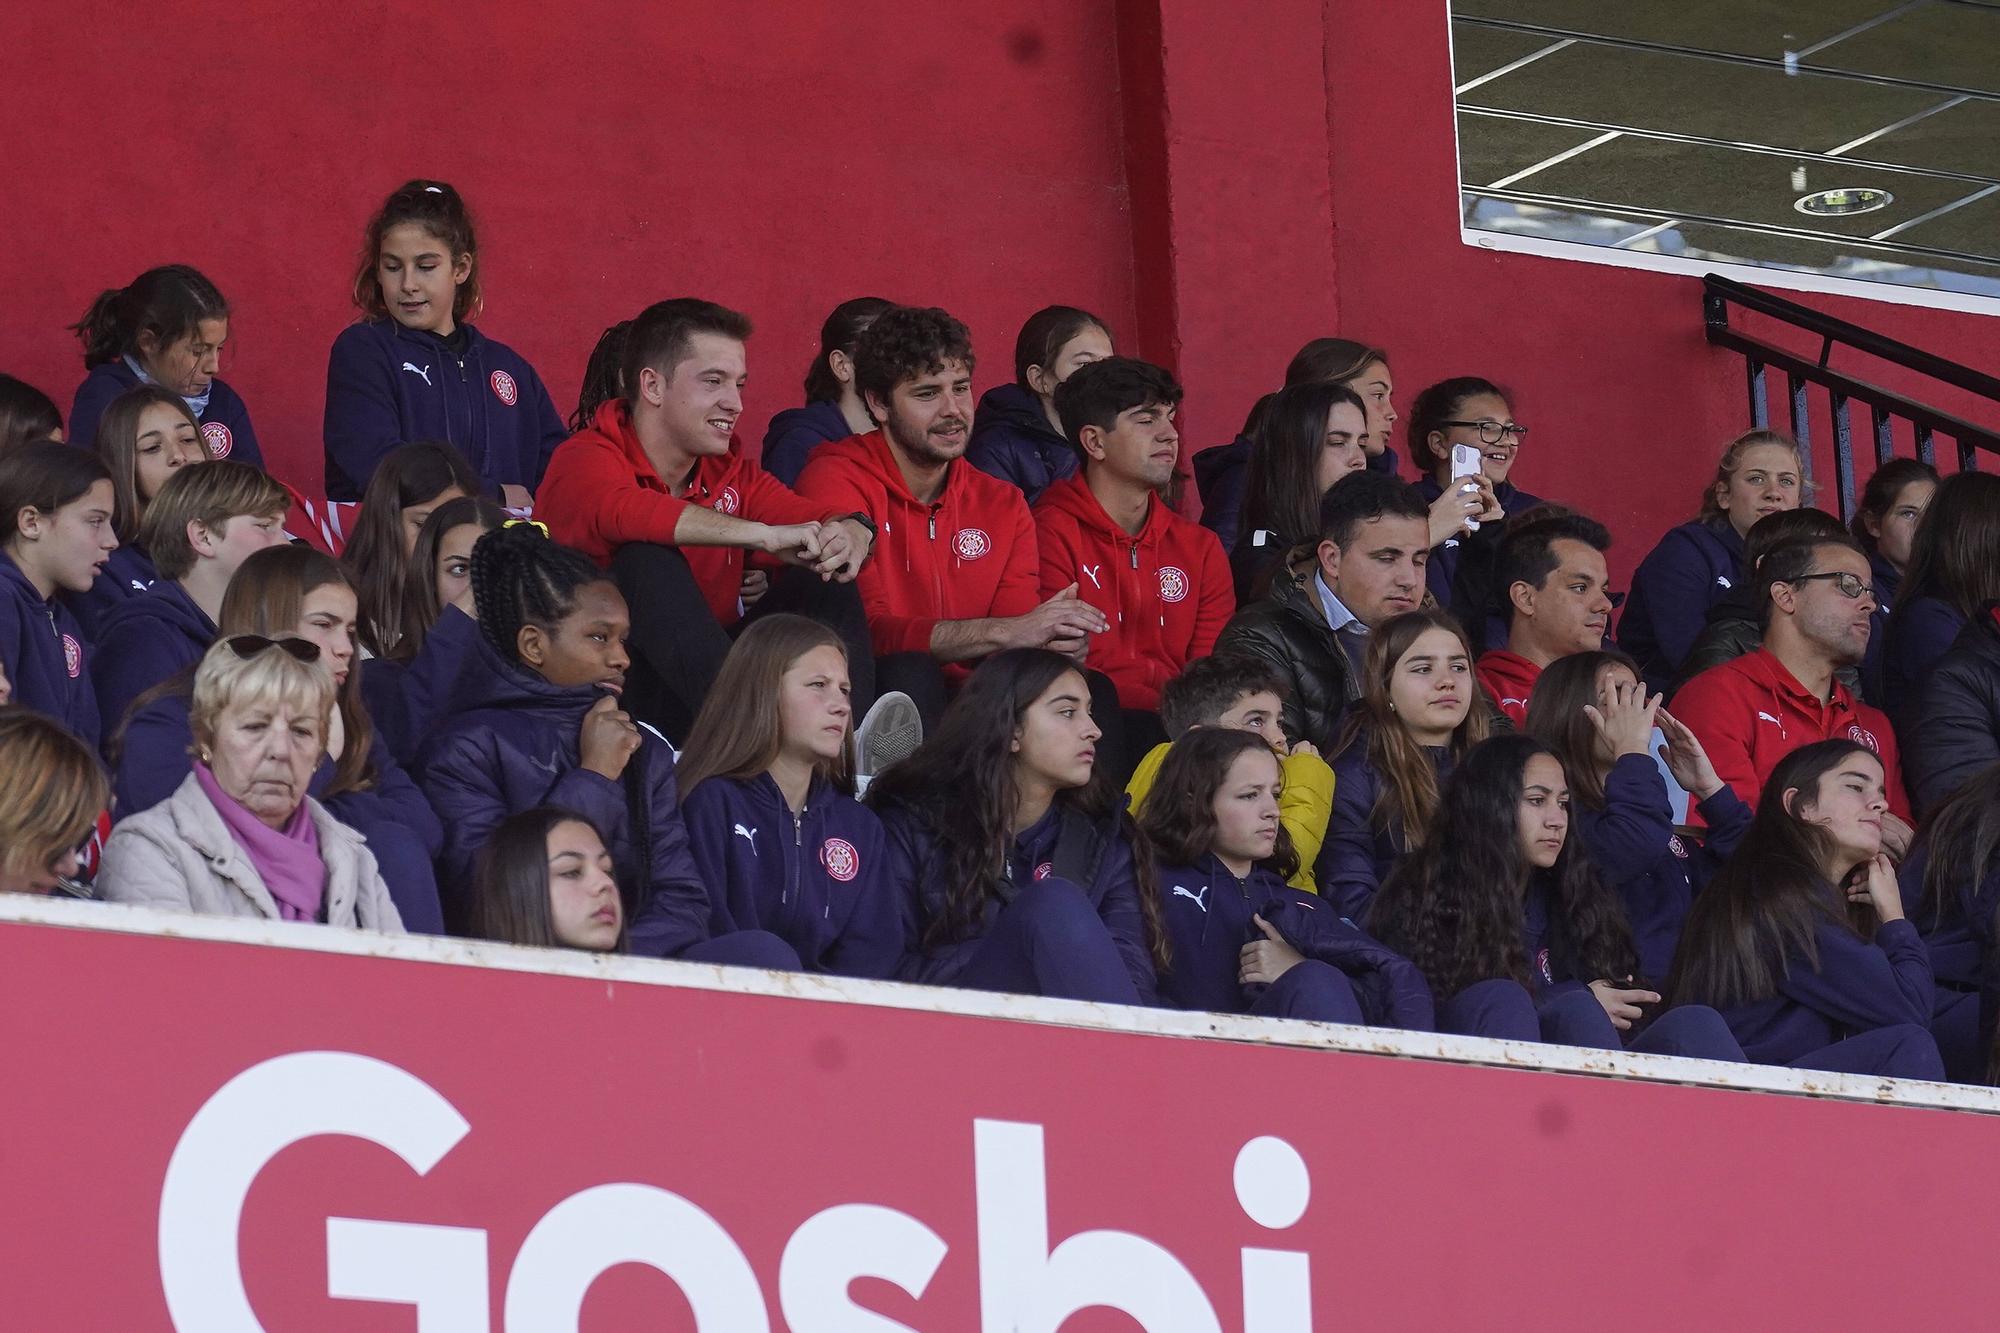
(1179, 815)
(960, 787)
(603, 375)
(906, 341)
(1436, 405)
(1454, 906)
(438, 209)
(520, 577)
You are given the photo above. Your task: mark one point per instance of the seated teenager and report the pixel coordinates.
(1219, 477)
(408, 485)
(1161, 581)
(768, 799)
(536, 722)
(1885, 522)
(1417, 718)
(661, 491)
(205, 522)
(1013, 862)
(1312, 435)
(1557, 587)
(166, 328)
(1772, 940)
(1751, 712)
(1374, 539)
(1514, 930)
(1017, 433)
(1955, 734)
(52, 789)
(1592, 712)
(56, 507)
(833, 409)
(27, 415)
(297, 592)
(414, 367)
(545, 879)
(144, 437)
(1478, 414)
(954, 573)
(1244, 694)
(1240, 940)
(409, 691)
(1734, 626)
(240, 836)
(1697, 564)
(1951, 891)
(1953, 574)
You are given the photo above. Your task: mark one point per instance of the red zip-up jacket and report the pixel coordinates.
(1751, 712)
(1510, 678)
(601, 491)
(1165, 590)
(969, 556)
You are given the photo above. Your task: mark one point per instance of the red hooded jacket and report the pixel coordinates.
(969, 556)
(1510, 678)
(1751, 712)
(601, 492)
(1166, 591)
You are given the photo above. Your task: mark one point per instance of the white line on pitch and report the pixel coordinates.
(1639, 236)
(1863, 26)
(1904, 123)
(1465, 88)
(1546, 163)
(1951, 207)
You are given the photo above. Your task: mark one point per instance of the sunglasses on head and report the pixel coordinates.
(247, 646)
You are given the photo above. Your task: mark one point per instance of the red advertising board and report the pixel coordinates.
(215, 1134)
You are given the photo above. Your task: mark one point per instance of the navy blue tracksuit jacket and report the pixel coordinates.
(1858, 986)
(816, 877)
(225, 421)
(1916, 641)
(1357, 855)
(46, 656)
(387, 386)
(795, 432)
(150, 638)
(407, 699)
(126, 575)
(1013, 440)
(1208, 910)
(1690, 570)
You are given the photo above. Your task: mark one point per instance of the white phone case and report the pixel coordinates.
(1465, 463)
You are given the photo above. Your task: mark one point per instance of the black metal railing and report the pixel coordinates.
(1844, 390)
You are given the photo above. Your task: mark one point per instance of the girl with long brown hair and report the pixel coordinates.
(768, 799)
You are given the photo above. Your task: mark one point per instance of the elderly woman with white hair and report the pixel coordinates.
(240, 837)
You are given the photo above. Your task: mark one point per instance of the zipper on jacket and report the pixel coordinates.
(798, 853)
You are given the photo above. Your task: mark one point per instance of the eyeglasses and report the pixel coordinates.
(1852, 586)
(247, 646)
(1493, 432)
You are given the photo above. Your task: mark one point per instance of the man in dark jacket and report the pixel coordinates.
(1955, 730)
(1374, 542)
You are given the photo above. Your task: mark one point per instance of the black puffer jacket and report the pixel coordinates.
(1731, 631)
(1288, 630)
(1955, 729)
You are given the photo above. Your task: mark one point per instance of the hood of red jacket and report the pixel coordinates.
(1510, 676)
(612, 423)
(1072, 496)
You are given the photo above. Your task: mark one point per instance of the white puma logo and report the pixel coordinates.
(1766, 717)
(748, 835)
(422, 371)
(1722, 581)
(1181, 892)
(1092, 570)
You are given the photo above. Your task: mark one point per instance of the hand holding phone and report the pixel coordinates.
(1465, 463)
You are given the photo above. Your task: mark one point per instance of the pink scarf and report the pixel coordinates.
(286, 859)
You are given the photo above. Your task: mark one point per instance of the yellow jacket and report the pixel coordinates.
(1304, 807)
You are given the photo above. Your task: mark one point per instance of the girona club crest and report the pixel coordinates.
(840, 859)
(728, 502)
(1173, 583)
(971, 543)
(505, 389)
(72, 656)
(218, 439)
(1859, 733)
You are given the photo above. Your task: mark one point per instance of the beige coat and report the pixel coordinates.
(181, 856)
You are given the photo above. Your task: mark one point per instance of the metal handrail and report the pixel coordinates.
(1885, 405)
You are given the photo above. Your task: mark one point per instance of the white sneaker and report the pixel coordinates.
(891, 732)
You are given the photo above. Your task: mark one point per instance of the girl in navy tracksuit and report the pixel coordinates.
(145, 436)
(410, 691)
(782, 844)
(1517, 935)
(833, 409)
(1012, 861)
(1773, 940)
(1953, 571)
(1420, 711)
(1951, 883)
(1310, 437)
(414, 369)
(536, 722)
(1591, 710)
(1885, 523)
(1465, 410)
(59, 546)
(1241, 939)
(166, 328)
(412, 481)
(1015, 435)
(1696, 564)
(546, 879)
(295, 591)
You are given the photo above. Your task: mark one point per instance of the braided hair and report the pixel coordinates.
(520, 577)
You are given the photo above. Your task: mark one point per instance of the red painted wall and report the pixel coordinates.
(778, 157)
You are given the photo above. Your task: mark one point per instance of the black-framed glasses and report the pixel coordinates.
(1493, 432)
(247, 646)
(1852, 586)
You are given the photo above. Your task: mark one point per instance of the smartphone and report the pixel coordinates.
(1465, 463)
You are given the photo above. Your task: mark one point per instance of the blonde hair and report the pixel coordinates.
(272, 676)
(52, 790)
(1732, 459)
(210, 495)
(739, 731)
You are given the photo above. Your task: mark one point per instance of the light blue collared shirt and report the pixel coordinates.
(195, 405)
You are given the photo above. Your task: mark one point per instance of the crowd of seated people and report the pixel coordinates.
(951, 691)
